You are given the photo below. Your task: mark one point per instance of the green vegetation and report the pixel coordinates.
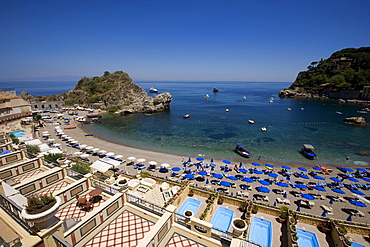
(53, 157)
(345, 69)
(38, 202)
(33, 149)
(81, 167)
(14, 139)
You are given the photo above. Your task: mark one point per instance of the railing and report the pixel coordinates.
(73, 174)
(110, 189)
(248, 243)
(69, 223)
(222, 235)
(181, 219)
(59, 242)
(149, 206)
(14, 243)
(15, 212)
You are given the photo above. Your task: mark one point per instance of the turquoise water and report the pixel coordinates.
(222, 218)
(261, 231)
(211, 131)
(18, 133)
(307, 238)
(189, 204)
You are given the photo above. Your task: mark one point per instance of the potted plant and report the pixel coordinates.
(202, 216)
(41, 209)
(122, 182)
(283, 214)
(325, 227)
(239, 226)
(342, 230)
(293, 228)
(191, 192)
(254, 209)
(294, 237)
(188, 214)
(220, 200)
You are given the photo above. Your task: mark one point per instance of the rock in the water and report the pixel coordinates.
(359, 121)
(363, 153)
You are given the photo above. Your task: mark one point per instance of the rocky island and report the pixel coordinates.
(344, 75)
(114, 92)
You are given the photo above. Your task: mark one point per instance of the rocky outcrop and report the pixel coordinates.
(160, 103)
(290, 93)
(358, 121)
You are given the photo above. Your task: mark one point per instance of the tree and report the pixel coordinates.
(33, 149)
(14, 139)
(339, 81)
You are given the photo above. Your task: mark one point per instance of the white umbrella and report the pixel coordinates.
(77, 153)
(131, 158)
(95, 149)
(84, 155)
(110, 154)
(89, 147)
(103, 151)
(83, 146)
(165, 165)
(45, 132)
(57, 144)
(64, 136)
(118, 156)
(74, 142)
(140, 160)
(152, 163)
(51, 140)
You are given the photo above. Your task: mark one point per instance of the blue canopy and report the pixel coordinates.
(286, 167)
(189, 160)
(269, 165)
(353, 180)
(361, 169)
(203, 173)
(358, 192)
(302, 169)
(319, 188)
(176, 169)
(358, 204)
(200, 159)
(190, 176)
(305, 176)
(227, 162)
(339, 191)
(212, 160)
(301, 186)
(243, 170)
(335, 179)
(349, 218)
(273, 175)
(317, 168)
(263, 189)
(345, 169)
(255, 164)
(258, 172)
(232, 178)
(324, 214)
(319, 177)
(217, 175)
(307, 196)
(248, 180)
(264, 182)
(282, 184)
(299, 208)
(225, 183)
(207, 181)
(5, 152)
(366, 179)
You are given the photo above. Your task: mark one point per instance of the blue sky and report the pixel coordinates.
(233, 40)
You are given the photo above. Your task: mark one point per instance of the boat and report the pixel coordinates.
(89, 135)
(206, 96)
(289, 109)
(244, 97)
(308, 152)
(67, 128)
(215, 90)
(271, 100)
(339, 113)
(186, 116)
(263, 128)
(153, 90)
(240, 149)
(251, 121)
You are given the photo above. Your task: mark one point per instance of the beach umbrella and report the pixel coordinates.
(286, 167)
(361, 169)
(57, 145)
(95, 149)
(274, 204)
(273, 175)
(225, 183)
(212, 168)
(131, 158)
(353, 180)
(319, 188)
(154, 163)
(317, 168)
(110, 154)
(211, 160)
(164, 165)
(89, 147)
(103, 151)
(264, 182)
(358, 204)
(227, 162)
(77, 153)
(299, 207)
(243, 170)
(285, 195)
(305, 176)
(269, 166)
(141, 160)
(339, 191)
(331, 200)
(263, 189)
(366, 179)
(302, 169)
(258, 172)
(255, 164)
(51, 140)
(282, 184)
(189, 159)
(349, 218)
(83, 146)
(248, 180)
(200, 159)
(176, 169)
(307, 196)
(319, 177)
(335, 179)
(324, 214)
(118, 156)
(358, 192)
(189, 176)
(232, 178)
(203, 173)
(301, 186)
(345, 169)
(207, 181)
(217, 175)
(240, 164)
(84, 155)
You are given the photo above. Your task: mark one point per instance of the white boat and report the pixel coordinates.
(206, 96)
(251, 121)
(153, 90)
(244, 97)
(271, 100)
(263, 128)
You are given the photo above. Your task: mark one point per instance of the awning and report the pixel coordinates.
(103, 165)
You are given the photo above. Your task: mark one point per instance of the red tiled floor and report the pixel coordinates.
(181, 241)
(54, 188)
(126, 230)
(23, 177)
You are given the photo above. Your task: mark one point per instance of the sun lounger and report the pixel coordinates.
(279, 200)
(265, 198)
(286, 202)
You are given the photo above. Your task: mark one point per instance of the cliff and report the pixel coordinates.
(115, 92)
(345, 70)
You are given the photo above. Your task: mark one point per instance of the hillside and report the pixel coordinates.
(347, 69)
(113, 91)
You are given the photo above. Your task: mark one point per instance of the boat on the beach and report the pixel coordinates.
(308, 152)
(67, 128)
(153, 90)
(240, 149)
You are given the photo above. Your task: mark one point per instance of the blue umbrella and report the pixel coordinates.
(211, 160)
(286, 167)
(302, 169)
(258, 172)
(282, 184)
(366, 179)
(358, 204)
(324, 214)
(207, 181)
(345, 169)
(200, 159)
(232, 178)
(361, 169)
(305, 176)
(184, 164)
(353, 180)
(263, 189)
(264, 182)
(176, 169)
(190, 176)
(319, 188)
(317, 168)
(217, 175)
(335, 179)
(203, 173)
(299, 208)
(301, 186)
(240, 164)
(288, 177)
(248, 180)
(227, 162)
(331, 200)
(285, 195)
(269, 165)
(319, 177)
(307, 196)
(243, 170)
(358, 192)
(255, 164)
(274, 204)
(339, 191)
(189, 160)
(273, 175)
(225, 183)
(349, 218)
(212, 168)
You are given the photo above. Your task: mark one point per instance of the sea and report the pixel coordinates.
(217, 123)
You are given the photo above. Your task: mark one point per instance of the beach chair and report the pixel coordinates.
(279, 200)
(286, 202)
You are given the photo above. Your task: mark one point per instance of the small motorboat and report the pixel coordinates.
(68, 128)
(153, 90)
(289, 109)
(250, 121)
(308, 152)
(244, 97)
(271, 100)
(339, 113)
(263, 128)
(215, 90)
(240, 149)
(206, 96)
(186, 116)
